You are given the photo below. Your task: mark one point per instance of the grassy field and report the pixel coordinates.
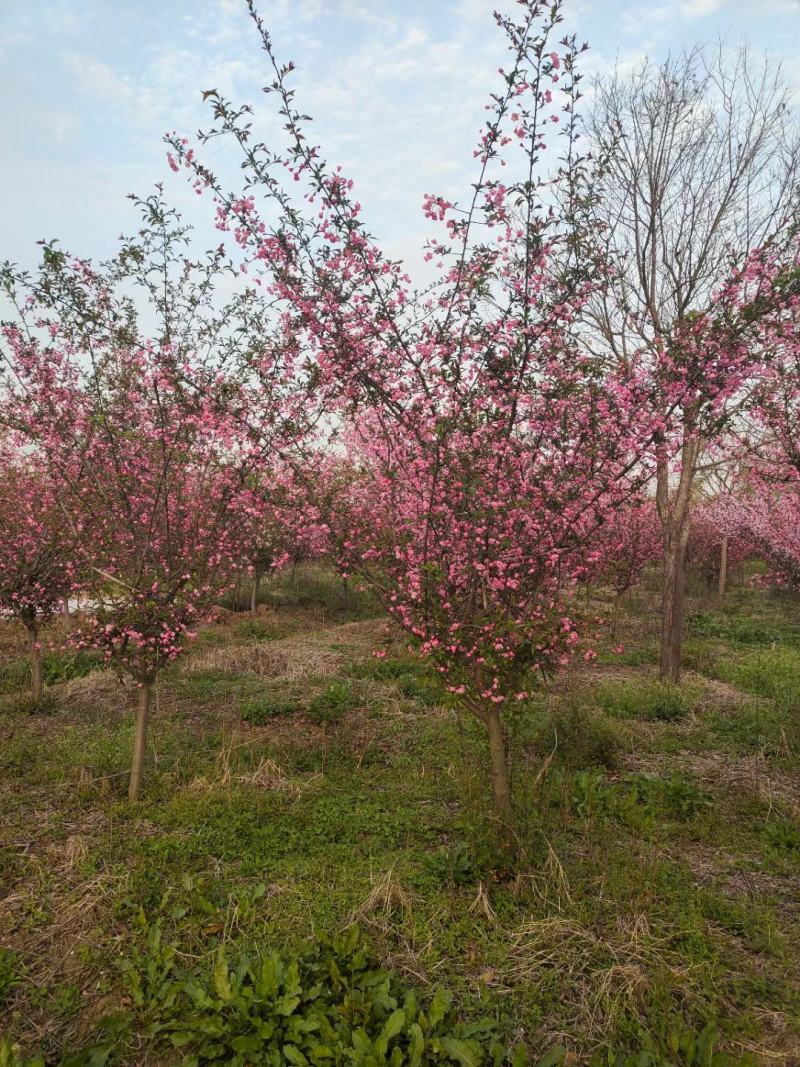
(298, 785)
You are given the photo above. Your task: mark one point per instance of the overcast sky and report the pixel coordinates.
(396, 87)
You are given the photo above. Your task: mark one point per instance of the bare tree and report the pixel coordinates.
(700, 162)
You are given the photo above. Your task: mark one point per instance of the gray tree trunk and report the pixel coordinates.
(723, 570)
(37, 667)
(140, 741)
(501, 784)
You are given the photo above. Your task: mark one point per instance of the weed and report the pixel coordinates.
(11, 973)
(783, 835)
(257, 629)
(579, 736)
(683, 797)
(757, 726)
(59, 667)
(390, 668)
(674, 1044)
(332, 703)
(24, 704)
(649, 700)
(215, 684)
(772, 672)
(258, 710)
(744, 919)
(12, 1056)
(311, 586)
(452, 865)
(589, 794)
(419, 689)
(330, 1003)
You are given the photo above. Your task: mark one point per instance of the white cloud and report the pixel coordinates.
(397, 89)
(698, 9)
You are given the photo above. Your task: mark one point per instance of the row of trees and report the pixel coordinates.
(466, 449)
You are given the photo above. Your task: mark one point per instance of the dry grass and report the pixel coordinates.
(267, 774)
(482, 906)
(608, 972)
(100, 694)
(69, 916)
(317, 653)
(548, 882)
(723, 772)
(266, 659)
(386, 899)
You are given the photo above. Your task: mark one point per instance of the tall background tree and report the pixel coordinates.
(700, 164)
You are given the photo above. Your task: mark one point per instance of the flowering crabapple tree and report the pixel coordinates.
(285, 526)
(762, 508)
(148, 438)
(714, 547)
(629, 541)
(37, 568)
(485, 448)
(766, 516)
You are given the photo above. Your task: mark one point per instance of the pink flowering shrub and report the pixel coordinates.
(766, 517)
(37, 563)
(630, 540)
(149, 443)
(284, 526)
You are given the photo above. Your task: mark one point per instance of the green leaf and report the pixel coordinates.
(221, 981)
(416, 1045)
(246, 1043)
(519, 1056)
(181, 1038)
(410, 1006)
(361, 1042)
(393, 1025)
(293, 1055)
(440, 1005)
(462, 1052)
(322, 1052)
(554, 1057)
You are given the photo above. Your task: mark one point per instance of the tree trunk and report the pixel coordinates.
(723, 570)
(616, 614)
(672, 586)
(140, 740)
(501, 785)
(37, 667)
(254, 593)
(673, 510)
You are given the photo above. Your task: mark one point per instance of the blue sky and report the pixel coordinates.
(396, 88)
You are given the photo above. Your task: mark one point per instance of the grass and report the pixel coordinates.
(296, 785)
(59, 667)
